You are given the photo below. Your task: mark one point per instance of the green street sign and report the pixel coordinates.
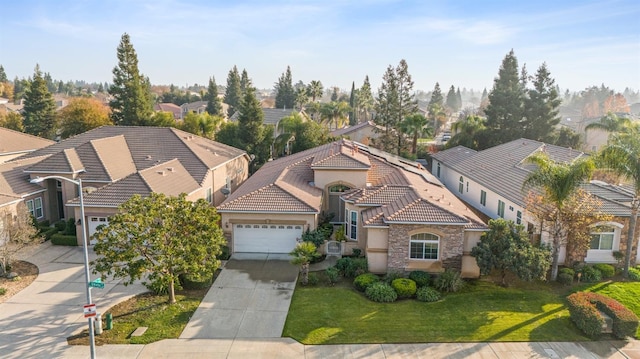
(96, 283)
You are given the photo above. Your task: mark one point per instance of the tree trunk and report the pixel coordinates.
(504, 278)
(555, 257)
(172, 293)
(635, 204)
(305, 273)
(414, 145)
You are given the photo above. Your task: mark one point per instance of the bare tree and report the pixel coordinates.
(16, 232)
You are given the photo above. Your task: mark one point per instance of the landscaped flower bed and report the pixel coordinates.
(585, 308)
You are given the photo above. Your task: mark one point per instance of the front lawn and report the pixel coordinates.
(481, 312)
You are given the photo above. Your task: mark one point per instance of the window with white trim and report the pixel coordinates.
(519, 217)
(461, 185)
(483, 197)
(351, 227)
(209, 195)
(500, 208)
(602, 238)
(438, 170)
(29, 204)
(37, 206)
(424, 246)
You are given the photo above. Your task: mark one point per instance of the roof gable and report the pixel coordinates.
(16, 142)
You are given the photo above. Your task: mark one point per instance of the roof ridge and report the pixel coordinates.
(181, 140)
(248, 194)
(403, 208)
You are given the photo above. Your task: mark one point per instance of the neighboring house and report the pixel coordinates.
(196, 107)
(273, 116)
(491, 181)
(15, 144)
(169, 107)
(116, 162)
(362, 132)
(15, 188)
(394, 210)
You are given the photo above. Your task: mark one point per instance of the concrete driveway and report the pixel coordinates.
(249, 299)
(35, 322)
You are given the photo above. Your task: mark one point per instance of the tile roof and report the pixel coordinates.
(115, 156)
(613, 200)
(114, 194)
(16, 142)
(502, 169)
(347, 130)
(170, 178)
(14, 183)
(271, 115)
(401, 191)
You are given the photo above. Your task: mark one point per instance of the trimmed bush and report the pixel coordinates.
(569, 271)
(590, 274)
(406, 288)
(363, 281)
(391, 276)
(333, 275)
(343, 264)
(607, 270)
(565, 279)
(313, 278)
(60, 226)
(317, 237)
(634, 274)
(187, 281)
(63, 240)
(225, 253)
(351, 267)
(70, 228)
(585, 307)
(357, 252)
(48, 232)
(421, 278)
(427, 294)
(381, 292)
(449, 281)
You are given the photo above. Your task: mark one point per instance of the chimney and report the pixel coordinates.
(161, 173)
(170, 169)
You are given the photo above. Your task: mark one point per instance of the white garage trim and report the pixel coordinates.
(94, 222)
(265, 238)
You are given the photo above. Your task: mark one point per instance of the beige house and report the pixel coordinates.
(116, 162)
(15, 144)
(362, 132)
(395, 211)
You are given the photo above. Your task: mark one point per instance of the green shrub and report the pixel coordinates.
(565, 278)
(189, 282)
(406, 288)
(63, 240)
(421, 278)
(381, 292)
(351, 267)
(363, 281)
(590, 274)
(343, 264)
(225, 253)
(70, 228)
(43, 224)
(427, 294)
(569, 271)
(607, 270)
(157, 287)
(47, 233)
(449, 281)
(391, 276)
(60, 226)
(357, 252)
(634, 274)
(3, 291)
(317, 237)
(313, 278)
(585, 307)
(333, 275)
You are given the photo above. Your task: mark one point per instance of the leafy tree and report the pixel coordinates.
(83, 114)
(39, 108)
(214, 105)
(466, 132)
(3, 75)
(6, 90)
(305, 134)
(303, 254)
(541, 107)
(505, 109)
(16, 232)
(622, 156)
(162, 237)
(285, 94)
(12, 121)
(228, 134)
(315, 90)
(559, 182)
(203, 124)
(566, 137)
(334, 113)
(506, 247)
(131, 103)
(233, 93)
(364, 100)
(416, 126)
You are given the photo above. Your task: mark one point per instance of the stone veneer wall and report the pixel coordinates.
(451, 245)
(576, 255)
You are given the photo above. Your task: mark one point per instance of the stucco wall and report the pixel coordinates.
(357, 178)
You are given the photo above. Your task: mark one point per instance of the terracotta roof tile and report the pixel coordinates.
(115, 156)
(114, 194)
(14, 183)
(170, 178)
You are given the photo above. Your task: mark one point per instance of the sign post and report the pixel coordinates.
(96, 283)
(89, 310)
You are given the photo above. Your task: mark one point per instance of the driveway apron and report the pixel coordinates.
(249, 299)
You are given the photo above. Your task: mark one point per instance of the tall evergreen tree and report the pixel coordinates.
(131, 103)
(245, 82)
(252, 134)
(285, 94)
(451, 99)
(233, 93)
(505, 110)
(386, 103)
(352, 103)
(334, 94)
(541, 107)
(407, 103)
(39, 107)
(3, 75)
(364, 99)
(458, 100)
(214, 105)
(436, 96)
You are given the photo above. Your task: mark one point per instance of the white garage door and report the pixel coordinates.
(94, 222)
(265, 238)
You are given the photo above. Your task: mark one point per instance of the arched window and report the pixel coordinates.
(424, 246)
(461, 185)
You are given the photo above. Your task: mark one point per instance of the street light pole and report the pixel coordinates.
(87, 274)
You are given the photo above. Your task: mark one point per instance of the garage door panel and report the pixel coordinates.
(265, 238)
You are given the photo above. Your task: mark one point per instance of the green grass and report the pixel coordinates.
(481, 312)
(627, 293)
(164, 321)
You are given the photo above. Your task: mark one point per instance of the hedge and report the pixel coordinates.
(585, 307)
(49, 232)
(64, 240)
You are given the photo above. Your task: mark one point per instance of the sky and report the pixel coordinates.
(460, 43)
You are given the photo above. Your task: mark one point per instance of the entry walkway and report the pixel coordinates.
(249, 299)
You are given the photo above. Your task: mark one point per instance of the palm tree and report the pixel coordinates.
(559, 182)
(334, 113)
(303, 254)
(302, 98)
(466, 132)
(416, 126)
(437, 114)
(622, 156)
(610, 123)
(315, 90)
